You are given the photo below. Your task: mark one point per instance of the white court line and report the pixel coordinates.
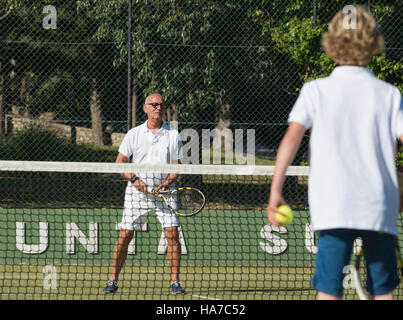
(203, 297)
(128, 293)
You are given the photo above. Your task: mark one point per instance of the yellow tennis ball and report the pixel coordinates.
(285, 220)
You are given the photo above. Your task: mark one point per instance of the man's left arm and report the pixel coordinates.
(172, 177)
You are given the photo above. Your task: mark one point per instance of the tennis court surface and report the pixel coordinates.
(59, 224)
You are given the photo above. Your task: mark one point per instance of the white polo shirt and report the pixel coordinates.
(163, 147)
(355, 120)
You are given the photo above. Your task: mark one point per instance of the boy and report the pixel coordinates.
(355, 120)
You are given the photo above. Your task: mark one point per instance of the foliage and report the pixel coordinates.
(388, 70)
(63, 60)
(301, 41)
(251, 55)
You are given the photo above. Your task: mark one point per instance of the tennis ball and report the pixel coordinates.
(285, 220)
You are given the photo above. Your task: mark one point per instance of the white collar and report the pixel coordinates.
(162, 129)
(351, 71)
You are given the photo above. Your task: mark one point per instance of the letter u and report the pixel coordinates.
(31, 248)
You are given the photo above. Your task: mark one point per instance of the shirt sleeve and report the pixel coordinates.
(126, 147)
(302, 111)
(399, 119)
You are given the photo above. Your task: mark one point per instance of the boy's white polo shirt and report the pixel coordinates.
(163, 147)
(355, 120)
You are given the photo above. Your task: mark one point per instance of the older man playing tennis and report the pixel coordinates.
(153, 142)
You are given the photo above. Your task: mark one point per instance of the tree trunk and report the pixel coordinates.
(28, 82)
(96, 114)
(223, 138)
(171, 116)
(134, 102)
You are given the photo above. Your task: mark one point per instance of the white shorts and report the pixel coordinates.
(137, 206)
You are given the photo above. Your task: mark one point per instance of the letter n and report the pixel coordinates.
(73, 232)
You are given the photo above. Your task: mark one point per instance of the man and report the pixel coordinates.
(355, 120)
(153, 142)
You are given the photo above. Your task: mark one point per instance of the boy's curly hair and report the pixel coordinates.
(354, 46)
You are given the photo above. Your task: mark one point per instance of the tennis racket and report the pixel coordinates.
(357, 278)
(356, 273)
(399, 257)
(190, 201)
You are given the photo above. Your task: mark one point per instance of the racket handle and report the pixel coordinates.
(153, 192)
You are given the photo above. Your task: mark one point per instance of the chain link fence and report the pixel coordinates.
(66, 93)
(72, 82)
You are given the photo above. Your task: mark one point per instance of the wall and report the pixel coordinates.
(83, 135)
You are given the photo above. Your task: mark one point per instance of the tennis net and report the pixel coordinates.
(59, 222)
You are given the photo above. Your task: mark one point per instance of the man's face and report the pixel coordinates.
(154, 107)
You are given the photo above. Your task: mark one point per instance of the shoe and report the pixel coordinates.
(111, 287)
(176, 287)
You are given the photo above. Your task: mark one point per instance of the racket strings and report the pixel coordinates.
(189, 200)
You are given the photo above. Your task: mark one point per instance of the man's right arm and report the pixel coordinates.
(123, 159)
(138, 183)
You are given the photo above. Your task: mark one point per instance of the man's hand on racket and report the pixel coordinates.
(161, 187)
(165, 185)
(276, 200)
(140, 185)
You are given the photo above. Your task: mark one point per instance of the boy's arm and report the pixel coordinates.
(286, 153)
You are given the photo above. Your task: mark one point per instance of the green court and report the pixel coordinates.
(150, 283)
(227, 254)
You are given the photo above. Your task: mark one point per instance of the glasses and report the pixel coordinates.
(156, 105)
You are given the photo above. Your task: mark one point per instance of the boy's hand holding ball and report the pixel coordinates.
(286, 217)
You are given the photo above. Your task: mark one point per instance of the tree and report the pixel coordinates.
(54, 70)
(222, 64)
(199, 55)
(301, 41)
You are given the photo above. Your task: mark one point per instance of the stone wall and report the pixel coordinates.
(82, 135)
(18, 123)
(117, 138)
